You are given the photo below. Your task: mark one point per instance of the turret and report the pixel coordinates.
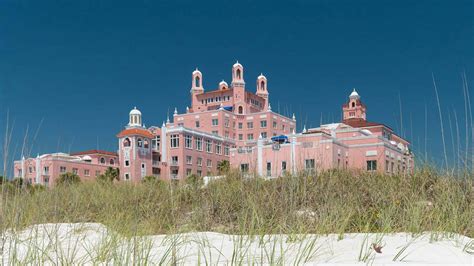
(135, 118)
(354, 108)
(238, 75)
(262, 89)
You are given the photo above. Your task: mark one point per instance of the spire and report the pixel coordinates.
(175, 111)
(354, 94)
(304, 129)
(294, 117)
(269, 107)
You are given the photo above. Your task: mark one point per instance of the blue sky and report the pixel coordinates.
(77, 67)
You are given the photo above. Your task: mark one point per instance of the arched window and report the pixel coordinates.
(197, 82)
(238, 73)
(262, 85)
(145, 144)
(126, 142)
(111, 162)
(139, 143)
(241, 110)
(353, 104)
(102, 160)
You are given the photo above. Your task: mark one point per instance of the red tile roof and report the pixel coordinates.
(135, 131)
(94, 152)
(359, 122)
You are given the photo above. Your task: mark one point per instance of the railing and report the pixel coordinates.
(174, 163)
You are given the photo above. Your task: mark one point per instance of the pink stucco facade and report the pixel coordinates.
(233, 124)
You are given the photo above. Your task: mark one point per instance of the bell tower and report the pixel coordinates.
(354, 108)
(262, 89)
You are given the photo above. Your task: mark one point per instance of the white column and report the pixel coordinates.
(164, 142)
(260, 155)
(293, 153)
(38, 170)
(23, 172)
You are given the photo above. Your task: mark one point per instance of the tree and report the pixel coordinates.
(3, 180)
(68, 179)
(223, 167)
(110, 175)
(194, 180)
(149, 179)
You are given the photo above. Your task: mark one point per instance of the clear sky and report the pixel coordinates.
(72, 70)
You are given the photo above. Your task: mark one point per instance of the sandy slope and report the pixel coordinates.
(93, 243)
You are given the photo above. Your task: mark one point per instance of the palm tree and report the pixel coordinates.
(68, 179)
(110, 175)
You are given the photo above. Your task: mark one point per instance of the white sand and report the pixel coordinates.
(93, 244)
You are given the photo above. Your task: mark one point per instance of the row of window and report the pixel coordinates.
(189, 161)
(198, 144)
(86, 172)
(216, 99)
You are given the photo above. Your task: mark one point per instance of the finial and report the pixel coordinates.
(304, 129)
(221, 106)
(187, 109)
(162, 125)
(294, 117)
(168, 120)
(175, 111)
(269, 107)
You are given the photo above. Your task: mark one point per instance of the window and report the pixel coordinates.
(282, 127)
(250, 136)
(174, 141)
(353, 104)
(275, 125)
(387, 164)
(86, 172)
(263, 123)
(111, 162)
(199, 161)
(126, 142)
(283, 165)
(309, 164)
(226, 122)
(46, 170)
(208, 146)
(30, 169)
(226, 150)
(199, 144)
(127, 163)
(139, 143)
(209, 163)
(75, 170)
(62, 169)
(197, 82)
(189, 159)
(372, 165)
(146, 144)
(97, 173)
(20, 173)
(241, 110)
(269, 168)
(215, 122)
(291, 130)
(238, 73)
(264, 135)
(197, 123)
(244, 168)
(174, 160)
(102, 160)
(188, 141)
(240, 125)
(215, 132)
(127, 176)
(249, 124)
(199, 172)
(188, 172)
(218, 148)
(241, 137)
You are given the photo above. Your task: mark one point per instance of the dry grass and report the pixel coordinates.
(331, 202)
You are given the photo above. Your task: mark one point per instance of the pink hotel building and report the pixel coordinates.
(233, 124)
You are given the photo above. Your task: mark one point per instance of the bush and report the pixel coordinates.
(68, 179)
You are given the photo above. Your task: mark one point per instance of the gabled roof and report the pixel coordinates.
(94, 152)
(135, 131)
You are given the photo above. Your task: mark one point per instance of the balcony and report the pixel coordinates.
(174, 163)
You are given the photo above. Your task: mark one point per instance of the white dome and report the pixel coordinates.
(87, 158)
(196, 72)
(223, 83)
(135, 111)
(237, 64)
(261, 77)
(354, 94)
